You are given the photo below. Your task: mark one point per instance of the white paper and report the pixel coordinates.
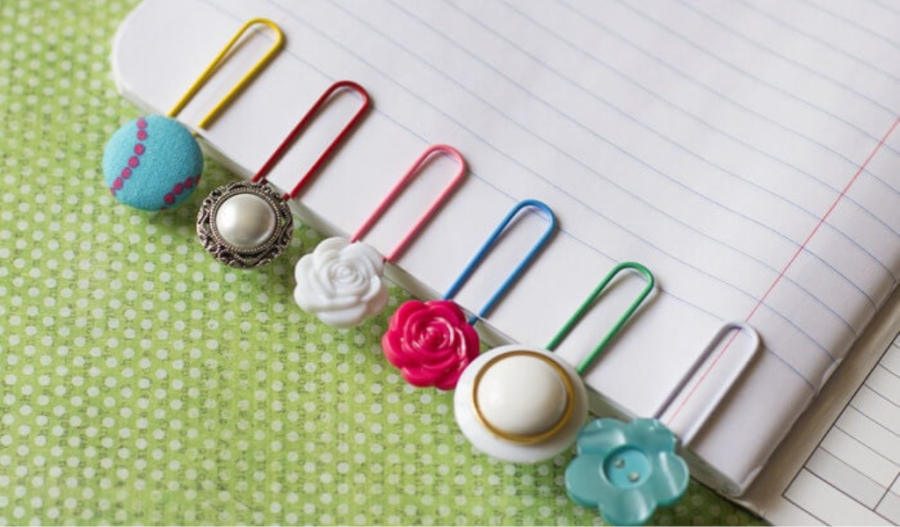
(744, 152)
(852, 476)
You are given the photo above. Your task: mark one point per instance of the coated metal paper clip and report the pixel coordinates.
(432, 343)
(525, 404)
(248, 223)
(626, 470)
(342, 280)
(155, 162)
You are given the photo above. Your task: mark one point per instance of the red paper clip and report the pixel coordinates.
(248, 223)
(301, 126)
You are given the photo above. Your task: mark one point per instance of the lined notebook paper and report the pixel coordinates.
(852, 475)
(746, 152)
(858, 461)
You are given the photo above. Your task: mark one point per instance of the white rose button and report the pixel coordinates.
(341, 282)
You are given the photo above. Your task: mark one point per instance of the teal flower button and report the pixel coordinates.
(626, 469)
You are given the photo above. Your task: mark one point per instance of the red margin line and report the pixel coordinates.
(787, 267)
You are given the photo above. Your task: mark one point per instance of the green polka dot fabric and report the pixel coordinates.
(141, 382)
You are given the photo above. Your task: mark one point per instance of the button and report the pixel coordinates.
(627, 467)
(246, 221)
(522, 395)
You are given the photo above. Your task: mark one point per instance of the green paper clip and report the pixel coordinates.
(510, 381)
(576, 317)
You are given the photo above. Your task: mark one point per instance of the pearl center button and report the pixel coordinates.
(521, 395)
(245, 221)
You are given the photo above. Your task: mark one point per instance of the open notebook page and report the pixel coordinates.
(745, 152)
(852, 476)
(835, 468)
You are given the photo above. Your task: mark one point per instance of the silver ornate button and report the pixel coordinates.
(245, 224)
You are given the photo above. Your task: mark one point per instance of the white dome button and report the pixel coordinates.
(521, 395)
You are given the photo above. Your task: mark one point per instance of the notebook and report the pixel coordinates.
(746, 152)
(840, 467)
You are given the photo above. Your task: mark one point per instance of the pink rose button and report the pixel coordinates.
(431, 343)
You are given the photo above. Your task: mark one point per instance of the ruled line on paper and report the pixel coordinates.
(787, 267)
(696, 9)
(664, 174)
(726, 64)
(719, 95)
(649, 149)
(348, 13)
(858, 454)
(829, 502)
(749, 75)
(889, 8)
(861, 487)
(853, 21)
(859, 457)
(685, 301)
(826, 43)
(668, 101)
(889, 504)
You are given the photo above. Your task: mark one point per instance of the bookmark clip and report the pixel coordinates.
(724, 388)
(489, 244)
(589, 302)
(155, 162)
(342, 280)
(248, 223)
(627, 470)
(526, 404)
(398, 189)
(219, 60)
(432, 343)
(301, 127)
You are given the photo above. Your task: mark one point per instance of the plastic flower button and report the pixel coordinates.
(431, 343)
(626, 469)
(341, 282)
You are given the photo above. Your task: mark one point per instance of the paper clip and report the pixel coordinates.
(304, 122)
(155, 162)
(219, 60)
(589, 302)
(248, 223)
(526, 404)
(627, 470)
(432, 343)
(341, 281)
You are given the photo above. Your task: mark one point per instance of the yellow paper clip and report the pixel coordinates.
(142, 175)
(219, 60)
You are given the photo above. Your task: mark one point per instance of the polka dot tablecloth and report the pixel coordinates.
(141, 382)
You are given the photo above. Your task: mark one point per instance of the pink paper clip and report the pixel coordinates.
(341, 281)
(248, 223)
